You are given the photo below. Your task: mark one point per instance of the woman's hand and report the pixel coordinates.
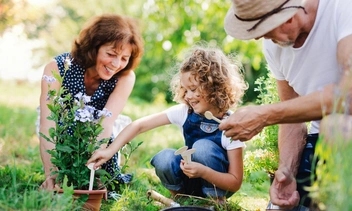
(49, 184)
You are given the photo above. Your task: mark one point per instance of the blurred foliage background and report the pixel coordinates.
(168, 27)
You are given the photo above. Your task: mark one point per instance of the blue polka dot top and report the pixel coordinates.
(74, 82)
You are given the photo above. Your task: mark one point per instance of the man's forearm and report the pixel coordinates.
(291, 144)
(301, 109)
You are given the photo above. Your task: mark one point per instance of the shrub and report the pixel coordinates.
(265, 155)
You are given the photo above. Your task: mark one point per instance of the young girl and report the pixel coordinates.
(206, 81)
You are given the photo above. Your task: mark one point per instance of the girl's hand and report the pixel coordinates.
(100, 156)
(193, 169)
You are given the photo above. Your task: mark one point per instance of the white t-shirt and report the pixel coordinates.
(178, 114)
(314, 65)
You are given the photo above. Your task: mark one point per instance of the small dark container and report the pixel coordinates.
(277, 208)
(187, 208)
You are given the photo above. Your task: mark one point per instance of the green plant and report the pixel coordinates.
(21, 146)
(265, 155)
(331, 187)
(77, 127)
(331, 190)
(19, 191)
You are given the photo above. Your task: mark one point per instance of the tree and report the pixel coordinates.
(171, 26)
(7, 15)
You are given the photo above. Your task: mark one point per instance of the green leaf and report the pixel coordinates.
(98, 130)
(68, 190)
(57, 76)
(63, 148)
(45, 137)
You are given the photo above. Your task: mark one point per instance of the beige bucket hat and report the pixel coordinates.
(248, 19)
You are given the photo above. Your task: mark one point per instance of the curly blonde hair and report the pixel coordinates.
(219, 76)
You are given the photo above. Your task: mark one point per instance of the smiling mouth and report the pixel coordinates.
(109, 70)
(193, 104)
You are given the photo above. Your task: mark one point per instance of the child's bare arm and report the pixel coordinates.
(141, 125)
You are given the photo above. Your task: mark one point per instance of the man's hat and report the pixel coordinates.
(248, 19)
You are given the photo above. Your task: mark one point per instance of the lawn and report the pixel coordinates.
(21, 169)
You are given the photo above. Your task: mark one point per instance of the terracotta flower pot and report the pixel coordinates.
(93, 202)
(187, 208)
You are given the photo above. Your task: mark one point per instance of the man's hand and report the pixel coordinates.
(283, 191)
(244, 123)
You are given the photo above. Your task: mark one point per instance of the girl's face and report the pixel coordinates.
(192, 95)
(111, 60)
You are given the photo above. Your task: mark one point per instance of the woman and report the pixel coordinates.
(100, 65)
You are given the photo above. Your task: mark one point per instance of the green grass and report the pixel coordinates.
(21, 170)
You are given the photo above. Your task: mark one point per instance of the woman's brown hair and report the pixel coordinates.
(101, 30)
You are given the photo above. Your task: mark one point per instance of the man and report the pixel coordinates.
(308, 47)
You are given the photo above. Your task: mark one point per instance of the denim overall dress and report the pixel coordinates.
(203, 135)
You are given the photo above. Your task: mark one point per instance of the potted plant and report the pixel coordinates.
(77, 126)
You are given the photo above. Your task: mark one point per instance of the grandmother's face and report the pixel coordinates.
(111, 60)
